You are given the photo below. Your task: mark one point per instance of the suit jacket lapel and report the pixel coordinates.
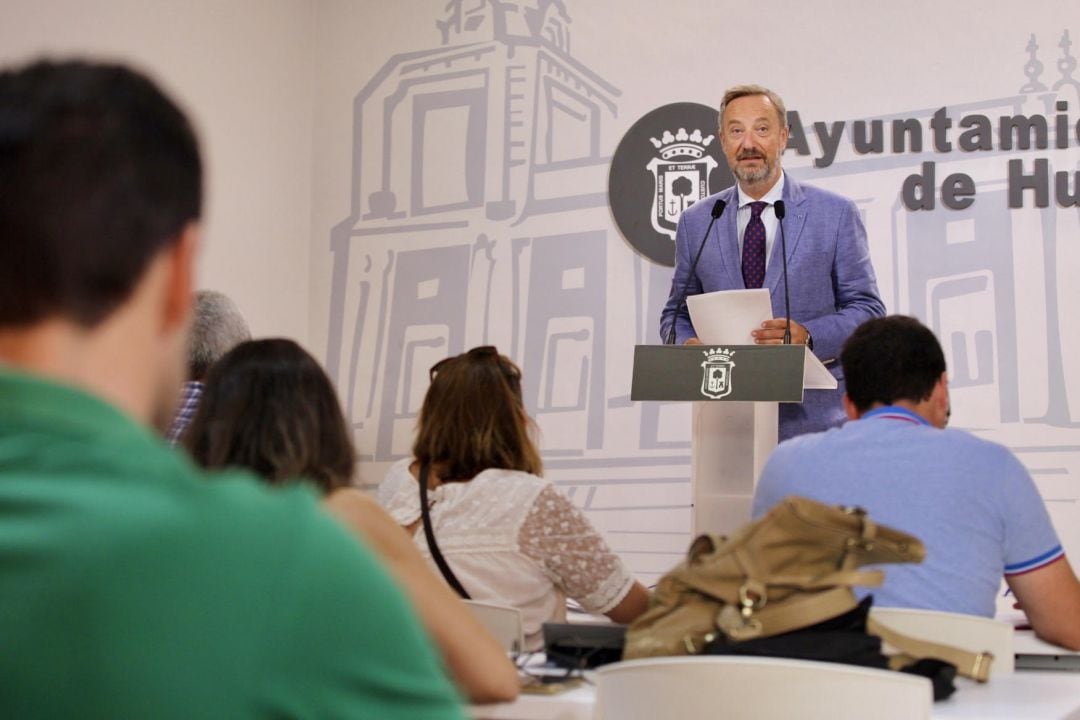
(727, 232)
(794, 221)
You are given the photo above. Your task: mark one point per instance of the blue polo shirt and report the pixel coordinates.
(970, 501)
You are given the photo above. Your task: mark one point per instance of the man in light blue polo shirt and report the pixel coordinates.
(970, 500)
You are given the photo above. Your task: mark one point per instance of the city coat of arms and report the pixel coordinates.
(716, 378)
(681, 174)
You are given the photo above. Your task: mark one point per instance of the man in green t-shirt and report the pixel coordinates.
(130, 586)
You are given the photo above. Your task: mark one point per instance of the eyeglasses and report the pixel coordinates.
(482, 353)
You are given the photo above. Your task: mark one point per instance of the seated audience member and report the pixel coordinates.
(970, 500)
(507, 534)
(130, 586)
(216, 328)
(268, 406)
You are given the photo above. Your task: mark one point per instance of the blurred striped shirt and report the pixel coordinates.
(189, 401)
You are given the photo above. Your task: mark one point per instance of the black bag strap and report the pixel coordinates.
(433, 546)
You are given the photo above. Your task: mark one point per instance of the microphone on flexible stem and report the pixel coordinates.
(717, 211)
(778, 208)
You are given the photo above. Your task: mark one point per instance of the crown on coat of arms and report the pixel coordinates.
(718, 355)
(681, 144)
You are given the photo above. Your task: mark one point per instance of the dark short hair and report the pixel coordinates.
(99, 171)
(473, 418)
(891, 358)
(269, 407)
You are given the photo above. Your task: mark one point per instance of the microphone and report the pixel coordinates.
(778, 208)
(717, 211)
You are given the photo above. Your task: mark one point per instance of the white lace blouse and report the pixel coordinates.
(513, 538)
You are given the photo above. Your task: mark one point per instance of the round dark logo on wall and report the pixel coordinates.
(666, 162)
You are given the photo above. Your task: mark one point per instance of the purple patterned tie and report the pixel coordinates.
(753, 250)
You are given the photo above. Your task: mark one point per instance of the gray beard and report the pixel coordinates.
(752, 177)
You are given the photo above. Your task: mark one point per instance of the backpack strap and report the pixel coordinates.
(433, 546)
(788, 616)
(863, 578)
(972, 665)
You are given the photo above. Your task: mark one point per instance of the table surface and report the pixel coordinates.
(1034, 654)
(1025, 643)
(1028, 694)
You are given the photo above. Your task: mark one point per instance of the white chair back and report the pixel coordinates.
(502, 621)
(967, 632)
(745, 688)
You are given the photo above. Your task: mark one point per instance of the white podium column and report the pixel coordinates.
(730, 444)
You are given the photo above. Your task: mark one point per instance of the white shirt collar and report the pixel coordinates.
(776, 192)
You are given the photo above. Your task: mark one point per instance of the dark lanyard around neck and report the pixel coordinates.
(433, 546)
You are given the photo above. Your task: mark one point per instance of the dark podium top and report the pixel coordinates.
(732, 373)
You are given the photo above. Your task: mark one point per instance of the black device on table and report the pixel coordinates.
(583, 645)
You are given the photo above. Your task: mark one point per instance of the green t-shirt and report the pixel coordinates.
(134, 586)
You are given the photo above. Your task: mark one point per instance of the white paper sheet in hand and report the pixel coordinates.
(726, 317)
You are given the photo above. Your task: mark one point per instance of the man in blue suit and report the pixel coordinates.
(833, 288)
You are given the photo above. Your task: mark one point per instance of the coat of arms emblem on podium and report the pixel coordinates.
(716, 378)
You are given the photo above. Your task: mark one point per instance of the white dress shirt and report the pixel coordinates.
(768, 216)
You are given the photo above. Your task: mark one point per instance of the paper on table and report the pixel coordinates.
(726, 317)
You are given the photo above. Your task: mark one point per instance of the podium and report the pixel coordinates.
(735, 390)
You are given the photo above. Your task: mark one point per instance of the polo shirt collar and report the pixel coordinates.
(892, 412)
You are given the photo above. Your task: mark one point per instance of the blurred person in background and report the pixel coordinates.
(130, 585)
(269, 407)
(217, 327)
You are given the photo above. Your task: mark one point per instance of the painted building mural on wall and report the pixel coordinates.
(479, 216)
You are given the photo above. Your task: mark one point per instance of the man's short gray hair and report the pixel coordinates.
(739, 91)
(218, 327)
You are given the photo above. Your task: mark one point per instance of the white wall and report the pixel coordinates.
(242, 69)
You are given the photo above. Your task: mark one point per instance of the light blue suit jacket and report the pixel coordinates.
(833, 288)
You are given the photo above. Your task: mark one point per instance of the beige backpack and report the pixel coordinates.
(790, 569)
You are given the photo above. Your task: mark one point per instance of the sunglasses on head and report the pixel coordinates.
(482, 353)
